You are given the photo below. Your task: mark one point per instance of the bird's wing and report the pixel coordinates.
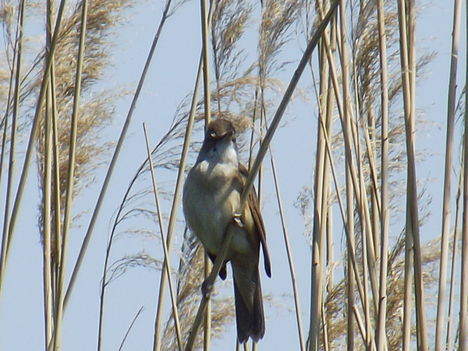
(254, 207)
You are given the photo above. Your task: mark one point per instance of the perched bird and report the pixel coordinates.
(212, 193)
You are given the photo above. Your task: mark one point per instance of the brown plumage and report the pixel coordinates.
(211, 195)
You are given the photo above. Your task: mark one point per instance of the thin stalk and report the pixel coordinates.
(215, 65)
(418, 274)
(350, 243)
(376, 195)
(57, 238)
(205, 24)
(360, 324)
(52, 110)
(450, 314)
(207, 321)
(70, 175)
(384, 215)
(369, 252)
(164, 245)
(252, 133)
(31, 144)
(370, 134)
(350, 303)
(408, 63)
(463, 325)
(364, 212)
(369, 214)
(318, 230)
(365, 217)
(7, 115)
(17, 50)
(355, 188)
(365, 278)
(349, 268)
(254, 170)
(451, 106)
(11, 165)
(104, 283)
(326, 192)
(261, 100)
(260, 89)
(260, 139)
(175, 204)
(326, 208)
(317, 257)
(409, 257)
(289, 254)
(47, 191)
(350, 193)
(206, 60)
(366, 232)
(115, 156)
(326, 342)
(367, 238)
(54, 206)
(46, 222)
(408, 291)
(130, 328)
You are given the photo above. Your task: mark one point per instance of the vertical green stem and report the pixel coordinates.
(11, 165)
(384, 222)
(451, 107)
(167, 266)
(463, 326)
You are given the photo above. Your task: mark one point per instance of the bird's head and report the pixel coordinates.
(220, 141)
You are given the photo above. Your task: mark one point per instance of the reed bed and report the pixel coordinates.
(373, 277)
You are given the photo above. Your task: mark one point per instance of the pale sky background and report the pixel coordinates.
(171, 78)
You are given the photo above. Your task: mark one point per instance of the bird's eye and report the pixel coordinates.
(234, 139)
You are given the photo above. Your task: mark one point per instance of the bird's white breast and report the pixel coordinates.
(211, 197)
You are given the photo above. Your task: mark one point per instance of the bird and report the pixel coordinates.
(211, 195)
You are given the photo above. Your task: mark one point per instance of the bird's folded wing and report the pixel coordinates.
(254, 207)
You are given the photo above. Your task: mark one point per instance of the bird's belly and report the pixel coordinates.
(208, 211)
(213, 218)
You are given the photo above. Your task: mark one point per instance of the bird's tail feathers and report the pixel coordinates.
(249, 307)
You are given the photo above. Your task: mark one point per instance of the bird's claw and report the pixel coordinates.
(237, 218)
(206, 288)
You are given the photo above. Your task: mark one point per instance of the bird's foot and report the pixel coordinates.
(206, 288)
(237, 218)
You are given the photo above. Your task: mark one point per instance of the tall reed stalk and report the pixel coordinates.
(451, 108)
(463, 324)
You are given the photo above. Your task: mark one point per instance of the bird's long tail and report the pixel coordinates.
(249, 304)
